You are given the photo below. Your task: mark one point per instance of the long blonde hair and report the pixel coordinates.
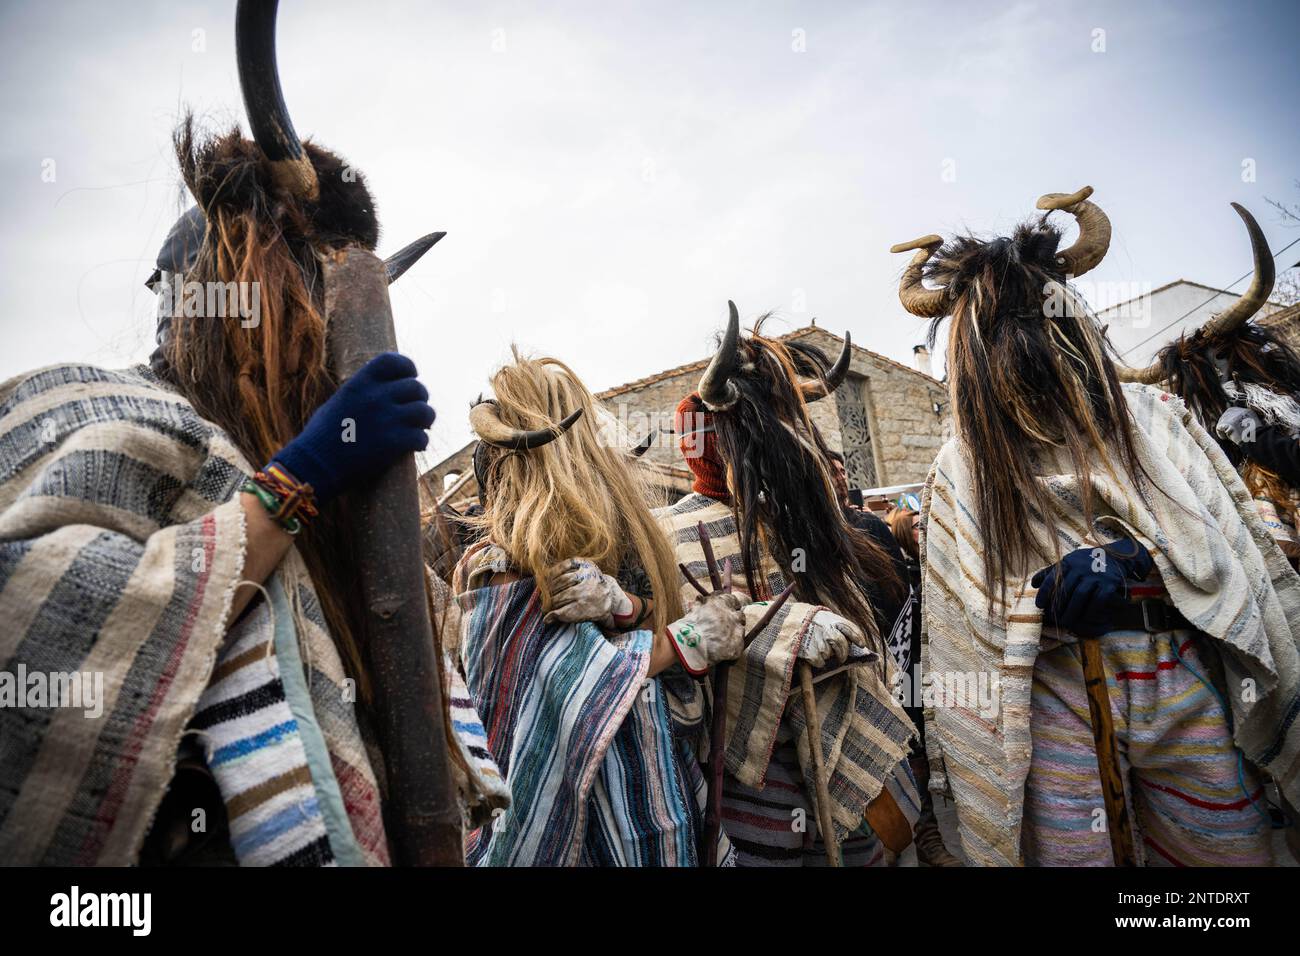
(579, 496)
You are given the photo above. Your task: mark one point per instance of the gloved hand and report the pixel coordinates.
(378, 415)
(827, 640)
(1083, 592)
(580, 591)
(713, 630)
(1238, 425)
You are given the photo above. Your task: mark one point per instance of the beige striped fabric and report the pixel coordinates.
(1221, 566)
(865, 732)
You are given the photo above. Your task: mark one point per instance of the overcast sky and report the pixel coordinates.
(610, 174)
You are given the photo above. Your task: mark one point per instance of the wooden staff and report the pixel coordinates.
(813, 725)
(420, 814)
(718, 725)
(1108, 765)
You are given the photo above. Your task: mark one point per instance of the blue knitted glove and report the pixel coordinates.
(1081, 594)
(378, 415)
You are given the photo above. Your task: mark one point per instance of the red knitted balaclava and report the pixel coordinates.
(700, 448)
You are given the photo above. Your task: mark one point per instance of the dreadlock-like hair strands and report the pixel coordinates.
(261, 383)
(579, 496)
(1028, 372)
(783, 491)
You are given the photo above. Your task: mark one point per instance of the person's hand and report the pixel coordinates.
(1238, 425)
(828, 638)
(712, 631)
(1082, 593)
(378, 415)
(580, 591)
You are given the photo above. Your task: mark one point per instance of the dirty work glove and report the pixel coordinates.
(712, 631)
(1238, 425)
(378, 415)
(1082, 594)
(828, 638)
(580, 591)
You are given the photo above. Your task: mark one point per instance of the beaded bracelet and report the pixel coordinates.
(287, 500)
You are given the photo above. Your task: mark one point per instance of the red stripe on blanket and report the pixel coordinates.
(1206, 804)
(115, 793)
(1162, 851)
(1151, 675)
(361, 801)
(754, 820)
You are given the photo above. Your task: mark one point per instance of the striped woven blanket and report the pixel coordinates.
(585, 740)
(121, 545)
(865, 733)
(1218, 561)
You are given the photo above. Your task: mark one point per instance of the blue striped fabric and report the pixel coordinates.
(583, 737)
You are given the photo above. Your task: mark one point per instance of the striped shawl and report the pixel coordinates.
(121, 545)
(865, 733)
(585, 740)
(1222, 569)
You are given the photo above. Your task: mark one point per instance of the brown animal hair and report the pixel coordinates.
(1252, 355)
(783, 490)
(262, 383)
(1029, 371)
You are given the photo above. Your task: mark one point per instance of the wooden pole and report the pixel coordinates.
(721, 581)
(821, 779)
(1108, 764)
(420, 814)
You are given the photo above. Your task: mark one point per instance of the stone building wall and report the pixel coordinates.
(882, 418)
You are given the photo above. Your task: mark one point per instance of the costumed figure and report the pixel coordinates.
(179, 531)
(1242, 382)
(797, 782)
(1075, 527)
(567, 603)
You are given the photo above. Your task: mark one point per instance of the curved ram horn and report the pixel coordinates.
(916, 298)
(409, 255)
(717, 390)
(1094, 230)
(488, 426)
(268, 117)
(1261, 286)
(814, 389)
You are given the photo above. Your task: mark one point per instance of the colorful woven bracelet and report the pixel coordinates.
(288, 501)
(272, 503)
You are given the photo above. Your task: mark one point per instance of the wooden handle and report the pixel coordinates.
(813, 724)
(1108, 765)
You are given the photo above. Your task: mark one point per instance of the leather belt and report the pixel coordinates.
(1150, 615)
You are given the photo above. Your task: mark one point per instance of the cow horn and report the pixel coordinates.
(645, 443)
(916, 298)
(259, 79)
(409, 255)
(1261, 286)
(717, 390)
(1147, 376)
(815, 389)
(1094, 230)
(487, 424)
(1239, 312)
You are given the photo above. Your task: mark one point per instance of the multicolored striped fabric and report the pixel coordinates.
(865, 732)
(121, 544)
(583, 737)
(1221, 567)
(1190, 793)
